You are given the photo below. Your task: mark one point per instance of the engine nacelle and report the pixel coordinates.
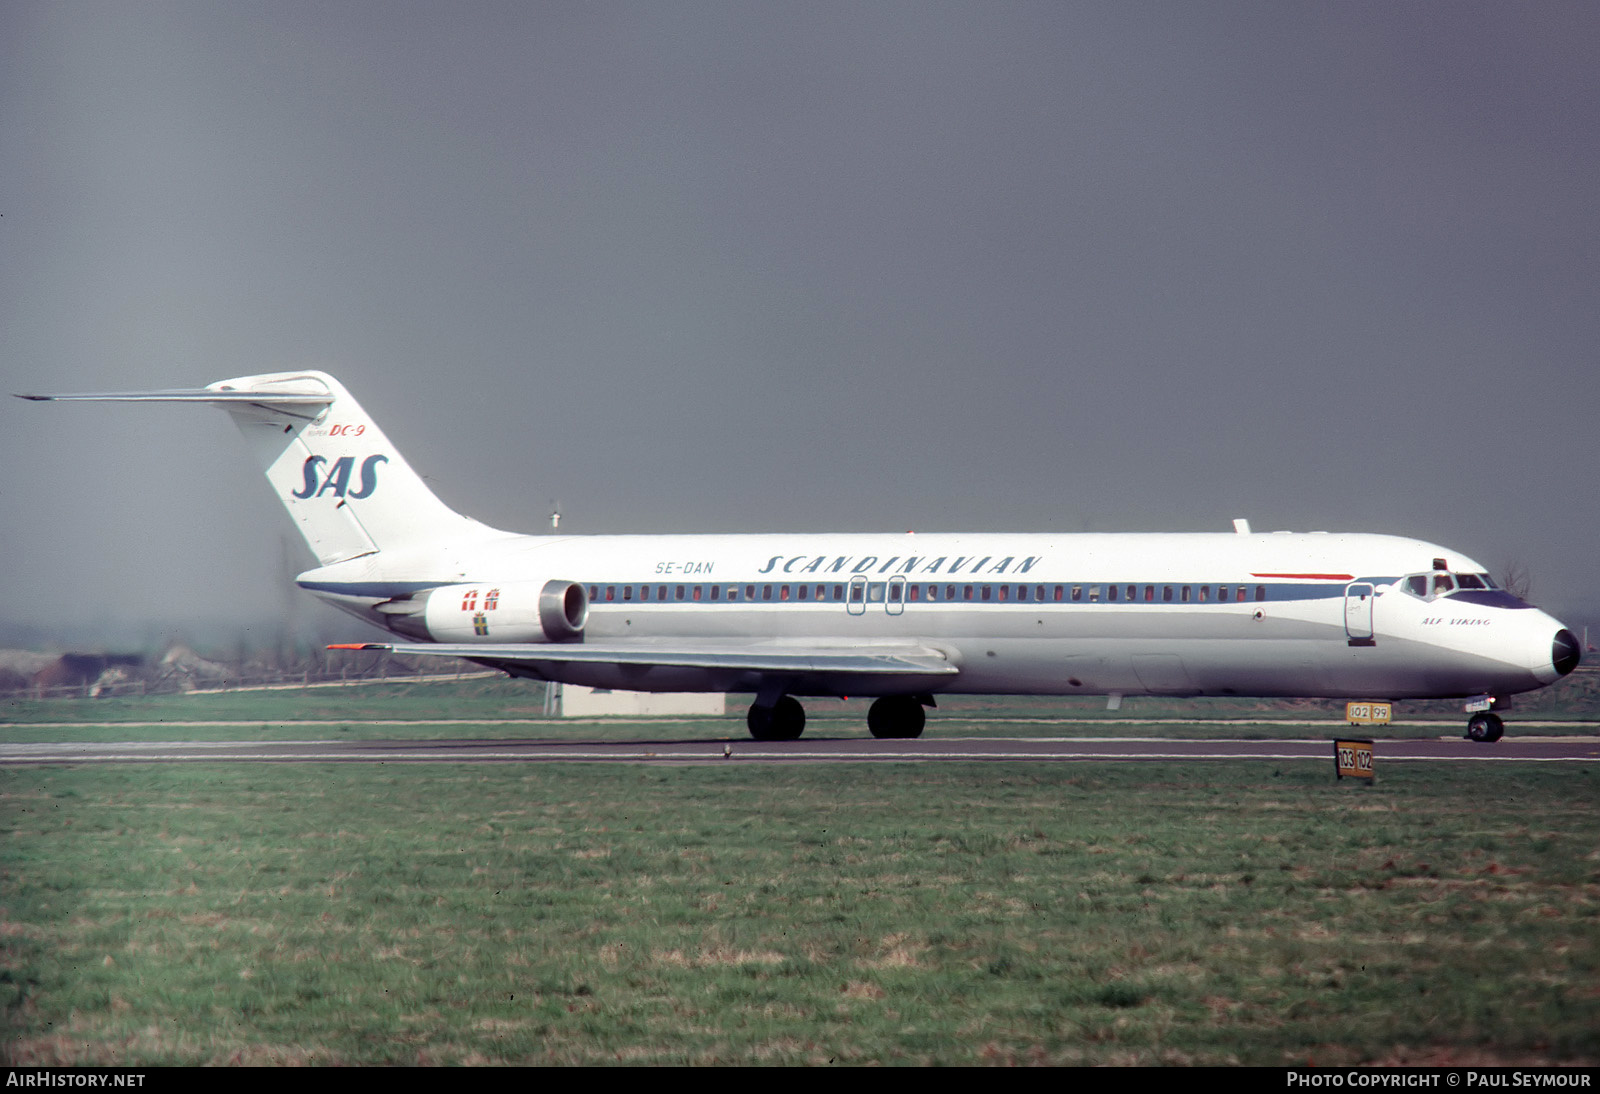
(518, 611)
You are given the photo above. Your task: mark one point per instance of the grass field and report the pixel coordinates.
(1252, 913)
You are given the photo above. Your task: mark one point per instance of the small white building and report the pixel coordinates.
(581, 702)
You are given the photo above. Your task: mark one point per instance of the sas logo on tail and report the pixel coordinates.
(337, 479)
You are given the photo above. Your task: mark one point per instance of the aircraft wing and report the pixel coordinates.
(896, 660)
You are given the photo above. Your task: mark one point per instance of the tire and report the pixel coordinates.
(1485, 727)
(896, 717)
(785, 720)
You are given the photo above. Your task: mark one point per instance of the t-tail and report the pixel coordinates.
(346, 487)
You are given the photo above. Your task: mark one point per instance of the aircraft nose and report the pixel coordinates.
(1565, 652)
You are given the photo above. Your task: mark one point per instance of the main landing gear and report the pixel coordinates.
(892, 716)
(783, 720)
(897, 716)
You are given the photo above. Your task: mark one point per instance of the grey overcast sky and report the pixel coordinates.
(802, 266)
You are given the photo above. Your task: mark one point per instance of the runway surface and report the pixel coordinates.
(806, 750)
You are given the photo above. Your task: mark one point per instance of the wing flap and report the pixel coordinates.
(866, 661)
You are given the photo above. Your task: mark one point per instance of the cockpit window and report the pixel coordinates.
(1432, 585)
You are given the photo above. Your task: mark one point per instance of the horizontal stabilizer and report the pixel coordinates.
(347, 489)
(188, 395)
(277, 401)
(868, 661)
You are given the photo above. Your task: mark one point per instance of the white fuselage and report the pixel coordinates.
(1318, 614)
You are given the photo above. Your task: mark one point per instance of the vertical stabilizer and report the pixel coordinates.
(347, 488)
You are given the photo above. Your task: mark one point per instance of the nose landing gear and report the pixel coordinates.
(1485, 727)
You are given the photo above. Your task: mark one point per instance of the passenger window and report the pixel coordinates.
(716, 592)
(679, 592)
(1149, 592)
(1166, 592)
(697, 592)
(783, 592)
(1077, 593)
(1094, 594)
(627, 592)
(1261, 592)
(1111, 592)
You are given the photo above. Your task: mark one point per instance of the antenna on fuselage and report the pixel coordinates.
(555, 515)
(1241, 526)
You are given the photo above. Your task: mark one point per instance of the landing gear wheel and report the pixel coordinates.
(1485, 728)
(896, 716)
(785, 720)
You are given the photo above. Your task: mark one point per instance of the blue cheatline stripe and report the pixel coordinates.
(874, 592)
(1028, 593)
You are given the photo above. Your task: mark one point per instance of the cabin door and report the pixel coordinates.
(1358, 598)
